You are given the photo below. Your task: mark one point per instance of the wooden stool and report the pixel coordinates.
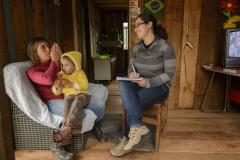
(161, 112)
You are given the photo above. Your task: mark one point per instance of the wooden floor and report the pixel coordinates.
(189, 135)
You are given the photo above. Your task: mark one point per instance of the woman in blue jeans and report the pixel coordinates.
(154, 60)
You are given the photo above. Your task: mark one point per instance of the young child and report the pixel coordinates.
(73, 83)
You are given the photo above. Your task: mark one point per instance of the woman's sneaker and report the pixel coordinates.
(61, 152)
(118, 150)
(135, 135)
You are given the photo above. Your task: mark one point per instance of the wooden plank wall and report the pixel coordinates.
(191, 26)
(19, 19)
(211, 39)
(94, 26)
(173, 21)
(37, 21)
(67, 31)
(6, 141)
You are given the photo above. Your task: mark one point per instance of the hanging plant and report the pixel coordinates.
(230, 10)
(229, 6)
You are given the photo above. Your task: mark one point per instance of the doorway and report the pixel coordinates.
(113, 34)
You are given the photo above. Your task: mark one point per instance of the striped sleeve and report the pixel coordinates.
(132, 59)
(169, 60)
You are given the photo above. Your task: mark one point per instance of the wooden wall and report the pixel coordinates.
(211, 37)
(173, 22)
(6, 141)
(67, 27)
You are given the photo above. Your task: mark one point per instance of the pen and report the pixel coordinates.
(133, 69)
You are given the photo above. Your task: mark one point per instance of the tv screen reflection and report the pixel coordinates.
(234, 44)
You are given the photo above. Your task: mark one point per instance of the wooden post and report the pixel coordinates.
(6, 131)
(37, 19)
(74, 20)
(45, 19)
(191, 26)
(9, 29)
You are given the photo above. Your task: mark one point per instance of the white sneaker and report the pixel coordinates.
(135, 135)
(118, 150)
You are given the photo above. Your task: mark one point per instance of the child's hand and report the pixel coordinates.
(66, 83)
(57, 84)
(59, 76)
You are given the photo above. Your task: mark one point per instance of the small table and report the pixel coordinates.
(226, 71)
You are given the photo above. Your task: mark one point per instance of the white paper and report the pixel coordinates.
(127, 79)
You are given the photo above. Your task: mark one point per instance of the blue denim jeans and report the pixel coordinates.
(136, 99)
(56, 106)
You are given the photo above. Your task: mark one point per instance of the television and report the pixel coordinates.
(231, 56)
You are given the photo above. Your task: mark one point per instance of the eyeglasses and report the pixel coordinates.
(139, 24)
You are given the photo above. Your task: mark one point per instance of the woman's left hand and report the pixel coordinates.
(55, 52)
(141, 83)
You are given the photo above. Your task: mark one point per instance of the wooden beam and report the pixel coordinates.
(28, 7)
(45, 19)
(9, 29)
(6, 132)
(191, 26)
(74, 20)
(132, 36)
(173, 22)
(113, 6)
(20, 29)
(80, 15)
(37, 18)
(210, 52)
(57, 20)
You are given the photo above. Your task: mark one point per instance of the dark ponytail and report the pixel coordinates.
(158, 29)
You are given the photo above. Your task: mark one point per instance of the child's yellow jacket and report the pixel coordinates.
(78, 77)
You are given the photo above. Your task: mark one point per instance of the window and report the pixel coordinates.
(125, 35)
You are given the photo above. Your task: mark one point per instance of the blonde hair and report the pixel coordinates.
(32, 49)
(68, 59)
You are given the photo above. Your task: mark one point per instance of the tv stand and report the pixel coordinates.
(230, 94)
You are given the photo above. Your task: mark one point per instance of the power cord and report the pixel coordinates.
(185, 72)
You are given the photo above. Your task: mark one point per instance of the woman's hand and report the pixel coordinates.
(141, 83)
(55, 52)
(133, 75)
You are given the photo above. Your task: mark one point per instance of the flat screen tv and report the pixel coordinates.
(231, 56)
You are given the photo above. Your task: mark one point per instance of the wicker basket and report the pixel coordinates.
(29, 134)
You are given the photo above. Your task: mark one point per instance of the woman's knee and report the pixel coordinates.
(97, 106)
(123, 85)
